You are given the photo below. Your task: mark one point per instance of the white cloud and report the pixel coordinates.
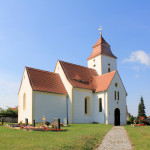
(139, 56)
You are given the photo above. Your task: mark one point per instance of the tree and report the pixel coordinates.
(141, 108)
(9, 113)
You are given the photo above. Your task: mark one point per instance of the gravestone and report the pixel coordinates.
(56, 123)
(2, 120)
(65, 121)
(33, 123)
(26, 121)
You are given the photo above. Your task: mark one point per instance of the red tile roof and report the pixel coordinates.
(45, 81)
(16, 108)
(78, 76)
(102, 82)
(87, 78)
(101, 47)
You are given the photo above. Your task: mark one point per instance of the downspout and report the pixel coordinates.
(67, 107)
(104, 108)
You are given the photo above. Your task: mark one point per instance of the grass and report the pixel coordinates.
(77, 136)
(140, 137)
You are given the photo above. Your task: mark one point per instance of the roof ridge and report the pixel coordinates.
(40, 70)
(77, 65)
(105, 74)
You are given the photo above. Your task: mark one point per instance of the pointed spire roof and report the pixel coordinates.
(101, 47)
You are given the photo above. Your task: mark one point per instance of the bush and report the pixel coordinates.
(140, 120)
(47, 123)
(9, 113)
(131, 119)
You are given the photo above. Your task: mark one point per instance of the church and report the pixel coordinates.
(93, 94)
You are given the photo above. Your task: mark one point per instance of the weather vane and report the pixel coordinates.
(100, 30)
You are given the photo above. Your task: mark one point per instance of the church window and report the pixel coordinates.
(108, 69)
(24, 101)
(100, 105)
(115, 95)
(116, 84)
(118, 95)
(86, 101)
(87, 106)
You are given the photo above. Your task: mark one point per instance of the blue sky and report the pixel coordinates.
(37, 33)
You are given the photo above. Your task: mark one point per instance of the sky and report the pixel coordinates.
(38, 33)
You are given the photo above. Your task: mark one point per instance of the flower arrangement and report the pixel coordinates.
(22, 127)
(47, 129)
(139, 121)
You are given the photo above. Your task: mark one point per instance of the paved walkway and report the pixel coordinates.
(116, 139)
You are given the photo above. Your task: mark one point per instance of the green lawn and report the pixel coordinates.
(140, 137)
(77, 136)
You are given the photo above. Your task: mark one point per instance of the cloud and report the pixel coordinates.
(140, 57)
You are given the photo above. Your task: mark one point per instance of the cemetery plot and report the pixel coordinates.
(46, 126)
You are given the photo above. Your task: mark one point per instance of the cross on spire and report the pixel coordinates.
(100, 30)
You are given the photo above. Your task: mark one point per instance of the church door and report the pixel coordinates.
(117, 117)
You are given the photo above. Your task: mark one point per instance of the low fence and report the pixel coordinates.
(9, 119)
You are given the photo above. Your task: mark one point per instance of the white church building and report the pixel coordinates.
(81, 94)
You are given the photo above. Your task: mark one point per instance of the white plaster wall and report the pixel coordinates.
(112, 103)
(97, 62)
(25, 88)
(100, 117)
(79, 112)
(105, 60)
(51, 105)
(68, 86)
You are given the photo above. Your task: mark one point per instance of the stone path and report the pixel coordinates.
(116, 139)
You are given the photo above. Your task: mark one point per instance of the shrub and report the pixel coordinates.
(9, 113)
(47, 123)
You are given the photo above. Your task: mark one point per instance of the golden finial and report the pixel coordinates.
(100, 30)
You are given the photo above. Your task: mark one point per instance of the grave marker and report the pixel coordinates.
(56, 123)
(65, 121)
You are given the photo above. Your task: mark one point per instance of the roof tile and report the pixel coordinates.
(45, 81)
(101, 47)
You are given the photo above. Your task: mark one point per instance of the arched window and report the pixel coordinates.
(118, 95)
(115, 93)
(108, 69)
(100, 105)
(87, 106)
(24, 101)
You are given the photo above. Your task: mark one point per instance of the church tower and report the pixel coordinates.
(102, 59)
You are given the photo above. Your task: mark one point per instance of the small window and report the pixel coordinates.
(85, 105)
(94, 65)
(118, 95)
(100, 105)
(115, 95)
(108, 64)
(116, 84)
(24, 101)
(108, 69)
(94, 60)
